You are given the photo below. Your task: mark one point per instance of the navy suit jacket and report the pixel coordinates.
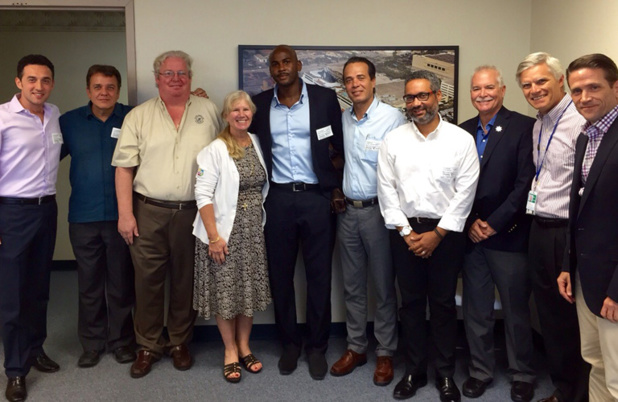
(324, 110)
(506, 173)
(593, 222)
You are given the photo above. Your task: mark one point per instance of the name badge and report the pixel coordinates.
(324, 132)
(57, 138)
(115, 132)
(531, 203)
(372, 145)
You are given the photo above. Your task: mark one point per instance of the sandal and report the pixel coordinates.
(232, 368)
(249, 361)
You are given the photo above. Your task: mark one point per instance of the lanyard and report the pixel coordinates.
(538, 146)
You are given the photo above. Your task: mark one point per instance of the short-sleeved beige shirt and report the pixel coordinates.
(165, 157)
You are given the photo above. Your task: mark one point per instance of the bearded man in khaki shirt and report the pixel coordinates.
(155, 176)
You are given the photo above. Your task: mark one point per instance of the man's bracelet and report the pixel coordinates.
(214, 240)
(436, 231)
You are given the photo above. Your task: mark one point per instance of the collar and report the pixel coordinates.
(489, 124)
(417, 131)
(303, 93)
(603, 124)
(553, 114)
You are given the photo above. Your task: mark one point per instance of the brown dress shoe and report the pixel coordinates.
(181, 356)
(16, 389)
(384, 371)
(347, 363)
(143, 364)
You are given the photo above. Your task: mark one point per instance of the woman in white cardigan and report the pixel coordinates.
(231, 275)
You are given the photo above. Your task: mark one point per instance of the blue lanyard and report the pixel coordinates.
(538, 146)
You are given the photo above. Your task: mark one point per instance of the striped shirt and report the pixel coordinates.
(558, 159)
(595, 133)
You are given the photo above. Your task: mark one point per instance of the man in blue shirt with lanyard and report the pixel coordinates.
(105, 271)
(363, 238)
(553, 139)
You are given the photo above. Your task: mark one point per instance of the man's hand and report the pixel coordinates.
(127, 227)
(480, 230)
(422, 245)
(564, 286)
(200, 92)
(337, 201)
(610, 310)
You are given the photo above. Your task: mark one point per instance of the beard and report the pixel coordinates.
(430, 114)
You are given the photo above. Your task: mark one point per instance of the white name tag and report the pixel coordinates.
(115, 132)
(372, 145)
(531, 203)
(324, 132)
(57, 138)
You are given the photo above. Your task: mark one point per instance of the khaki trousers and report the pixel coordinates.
(600, 349)
(165, 246)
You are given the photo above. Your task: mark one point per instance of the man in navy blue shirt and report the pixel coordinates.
(105, 271)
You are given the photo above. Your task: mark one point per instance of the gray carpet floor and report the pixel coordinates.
(110, 381)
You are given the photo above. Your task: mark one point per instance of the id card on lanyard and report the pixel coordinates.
(532, 194)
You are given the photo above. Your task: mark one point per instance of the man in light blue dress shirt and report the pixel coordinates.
(363, 237)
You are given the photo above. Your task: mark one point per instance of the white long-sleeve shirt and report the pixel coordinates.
(217, 183)
(428, 177)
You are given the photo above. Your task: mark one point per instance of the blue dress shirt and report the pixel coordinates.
(90, 143)
(481, 137)
(361, 142)
(291, 135)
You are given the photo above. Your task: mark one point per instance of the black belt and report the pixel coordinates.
(166, 204)
(424, 221)
(362, 203)
(296, 187)
(551, 222)
(27, 201)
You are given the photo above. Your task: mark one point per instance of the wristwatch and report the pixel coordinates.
(406, 230)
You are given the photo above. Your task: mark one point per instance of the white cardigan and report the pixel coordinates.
(217, 183)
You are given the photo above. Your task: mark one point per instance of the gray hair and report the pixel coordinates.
(534, 59)
(172, 53)
(492, 68)
(434, 81)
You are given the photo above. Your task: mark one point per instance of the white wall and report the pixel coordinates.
(569, 29)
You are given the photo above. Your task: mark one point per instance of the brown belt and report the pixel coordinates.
(180, 205)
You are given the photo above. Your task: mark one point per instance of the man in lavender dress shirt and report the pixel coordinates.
(30, 142)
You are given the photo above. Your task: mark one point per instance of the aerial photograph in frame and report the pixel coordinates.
(323, 65)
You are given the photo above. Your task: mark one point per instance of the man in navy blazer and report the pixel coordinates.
(591, 266)
(299, 127)
(498, 232)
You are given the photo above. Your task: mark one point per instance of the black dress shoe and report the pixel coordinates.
(125, 354)
(522, 391)
(473, 387)
(448, 389)
(407, 387)
(44, 364)
(317, 365)
(289, 360)
(89, 358)
(16, 389)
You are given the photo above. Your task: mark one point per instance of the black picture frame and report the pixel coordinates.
(323, 65)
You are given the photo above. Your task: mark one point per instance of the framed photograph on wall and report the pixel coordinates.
(323, 65)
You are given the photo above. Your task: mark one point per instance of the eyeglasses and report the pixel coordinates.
(422, 96)
(169, 74)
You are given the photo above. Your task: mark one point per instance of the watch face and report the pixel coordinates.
(405, 231)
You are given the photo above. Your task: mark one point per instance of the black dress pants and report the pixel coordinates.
(432, 281)
(28, 234)
(304, 218)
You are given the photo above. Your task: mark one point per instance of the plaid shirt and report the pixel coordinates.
(595, 133)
